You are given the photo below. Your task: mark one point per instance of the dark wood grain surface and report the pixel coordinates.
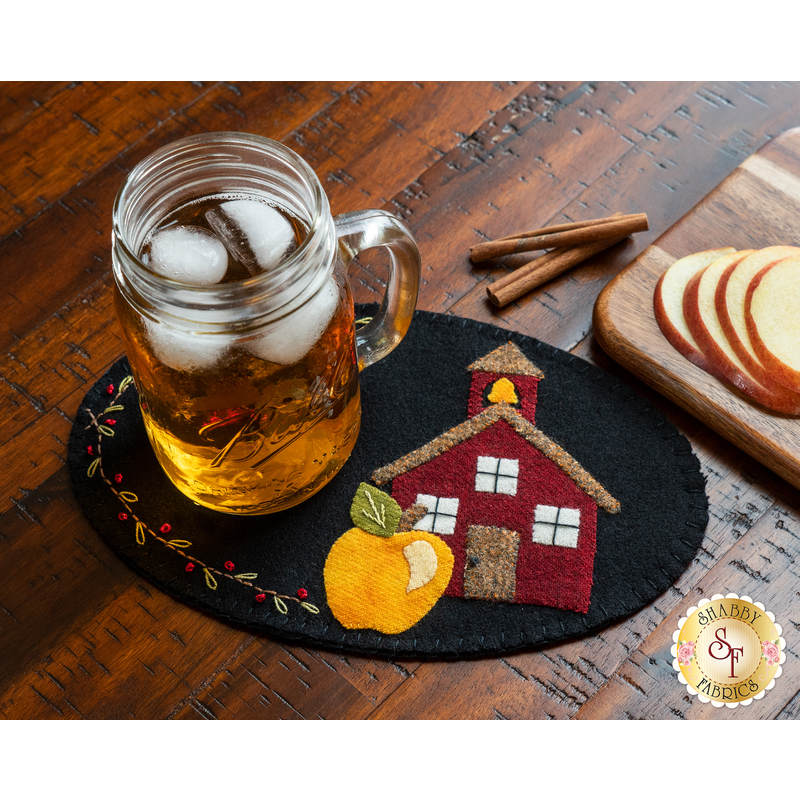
(81, 636)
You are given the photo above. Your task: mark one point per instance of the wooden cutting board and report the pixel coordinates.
(756, 206)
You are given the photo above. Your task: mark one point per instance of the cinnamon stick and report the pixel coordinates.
(526, 269)
(564, 226)
(540, 270)
(538, 263)
(612, 228)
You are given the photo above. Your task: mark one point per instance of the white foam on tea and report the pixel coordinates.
(188, 254)
(289, 339)
(184, 351)
(255, 233)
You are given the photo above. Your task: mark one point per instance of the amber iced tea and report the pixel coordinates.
(238, 321)
(233, 429)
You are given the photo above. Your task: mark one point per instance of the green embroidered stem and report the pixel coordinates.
(126, 498)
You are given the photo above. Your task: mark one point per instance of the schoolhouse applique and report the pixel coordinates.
(518, 512)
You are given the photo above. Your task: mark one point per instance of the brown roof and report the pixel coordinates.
(508, 360)
(474, 425)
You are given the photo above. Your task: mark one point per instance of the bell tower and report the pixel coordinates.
(504, 376)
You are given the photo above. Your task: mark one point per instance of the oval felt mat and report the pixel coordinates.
(267, 572)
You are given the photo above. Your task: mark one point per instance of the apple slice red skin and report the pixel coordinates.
(672, 334)
(721, 300)
(779, 369)
(674, 337)
(774, 397)
(705, 341)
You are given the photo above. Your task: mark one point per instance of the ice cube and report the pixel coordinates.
(255, 233)
(183, 350)
(289, 339)
(188, 254)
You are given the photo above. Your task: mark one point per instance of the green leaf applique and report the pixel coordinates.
(375, 511)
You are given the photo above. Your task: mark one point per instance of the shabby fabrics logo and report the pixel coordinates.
(728, 650)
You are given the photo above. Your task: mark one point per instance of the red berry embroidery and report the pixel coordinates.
(165, 528)
(90, 450)
(122, 515)
(229, 566)
(110, 388)
(111, 422)
(260, 598)
(302, 594)
(189, 567)
(118, 477)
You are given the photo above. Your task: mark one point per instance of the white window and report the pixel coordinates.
(441, 516)
(498, 475)
(559, 526)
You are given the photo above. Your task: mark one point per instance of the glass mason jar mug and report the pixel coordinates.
(238, 320)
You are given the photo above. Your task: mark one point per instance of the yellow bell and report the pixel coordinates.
(503, 391)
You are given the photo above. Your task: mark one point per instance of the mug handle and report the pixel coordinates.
(362, 230)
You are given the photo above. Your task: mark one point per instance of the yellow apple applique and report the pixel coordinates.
(382, 578)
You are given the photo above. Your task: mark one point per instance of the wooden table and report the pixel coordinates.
(81, 635)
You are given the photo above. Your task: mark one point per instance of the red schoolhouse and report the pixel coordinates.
(518, 512)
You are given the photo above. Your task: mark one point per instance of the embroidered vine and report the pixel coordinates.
(104, 427)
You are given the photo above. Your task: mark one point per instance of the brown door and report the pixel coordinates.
(490, 569)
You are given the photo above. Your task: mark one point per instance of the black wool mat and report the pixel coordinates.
(266, 572)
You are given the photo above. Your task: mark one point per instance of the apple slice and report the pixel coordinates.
(668, 304)
(772, 311)
(702, 319)
(729, 300)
